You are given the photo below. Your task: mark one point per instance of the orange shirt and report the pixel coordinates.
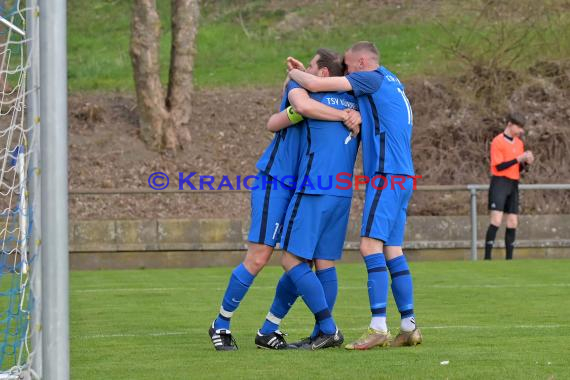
(505, 150)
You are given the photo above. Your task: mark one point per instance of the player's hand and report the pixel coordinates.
(530, 157)
(523, 157)
(355, 116)
(293, 63)
(352, 121)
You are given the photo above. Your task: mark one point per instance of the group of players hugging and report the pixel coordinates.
(327, 110)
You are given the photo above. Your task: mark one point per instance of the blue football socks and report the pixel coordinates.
(402, 287)
(310, 288)
(240, 281)
(329, 281)
(377, 289)
(285, 296)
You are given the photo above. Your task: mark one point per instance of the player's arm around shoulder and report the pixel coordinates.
(310, 108)
(278, 121)
(320, 84)
(283, 119)
(288, 116)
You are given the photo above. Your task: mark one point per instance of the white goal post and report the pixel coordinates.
(34, 275)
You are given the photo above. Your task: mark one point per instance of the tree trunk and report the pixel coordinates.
(163, 118)
(185, 14)
(145, 43)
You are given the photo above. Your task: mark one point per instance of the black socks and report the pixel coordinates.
(510, 234)
(490, 240)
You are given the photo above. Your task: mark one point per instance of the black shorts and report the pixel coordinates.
(504, 195)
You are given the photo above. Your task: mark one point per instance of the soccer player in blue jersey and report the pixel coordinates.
(386, 143)
(317, 216)
(270, 197)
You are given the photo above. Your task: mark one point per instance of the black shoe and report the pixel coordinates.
(273, 341)
(322, 341)
(304, 343)
(222, 339)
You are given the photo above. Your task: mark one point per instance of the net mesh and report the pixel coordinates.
(17, 144)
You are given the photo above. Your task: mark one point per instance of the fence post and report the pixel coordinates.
(473, 192)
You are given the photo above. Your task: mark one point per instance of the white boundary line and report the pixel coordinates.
(450, 327)
(488, 286)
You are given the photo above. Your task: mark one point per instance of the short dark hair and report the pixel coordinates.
(516, 118)
(365, 46)
(332, 61)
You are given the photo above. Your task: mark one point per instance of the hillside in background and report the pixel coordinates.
(451, 139)
(244, 43)
(462, 74)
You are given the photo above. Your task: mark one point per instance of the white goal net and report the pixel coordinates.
(19, 195)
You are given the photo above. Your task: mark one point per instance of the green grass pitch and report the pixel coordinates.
(489, 320)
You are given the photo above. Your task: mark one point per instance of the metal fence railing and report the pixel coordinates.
(473, 189)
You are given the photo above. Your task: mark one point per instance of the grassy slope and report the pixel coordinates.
(251, 51)
(489, 320)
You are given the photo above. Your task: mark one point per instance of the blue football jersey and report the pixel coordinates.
(387, 122)
(281, 158)
(330, 152)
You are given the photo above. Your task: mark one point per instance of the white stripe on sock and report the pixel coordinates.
(225, 313)
(273, 319)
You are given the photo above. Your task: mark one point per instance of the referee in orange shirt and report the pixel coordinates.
(508, 159)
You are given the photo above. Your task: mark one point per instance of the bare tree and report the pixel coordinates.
(490, 38)
(164, 115)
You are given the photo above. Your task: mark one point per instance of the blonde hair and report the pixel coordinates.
(365, 46)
